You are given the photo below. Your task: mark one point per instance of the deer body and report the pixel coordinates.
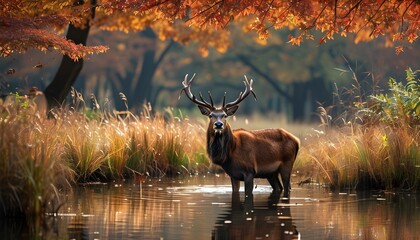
(245, 155)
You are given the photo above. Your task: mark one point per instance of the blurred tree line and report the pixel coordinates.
(291, 80)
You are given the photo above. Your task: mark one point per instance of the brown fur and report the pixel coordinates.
(245, 155)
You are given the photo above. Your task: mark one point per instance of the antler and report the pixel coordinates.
(187, 89)
(242, 95)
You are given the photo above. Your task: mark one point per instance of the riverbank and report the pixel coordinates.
(42, 157)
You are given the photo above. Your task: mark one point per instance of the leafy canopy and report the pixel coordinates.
(39, 24)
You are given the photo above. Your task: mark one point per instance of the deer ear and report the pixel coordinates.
(230, 111)
(204, 110)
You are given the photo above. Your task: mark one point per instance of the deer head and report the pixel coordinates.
(217, 115)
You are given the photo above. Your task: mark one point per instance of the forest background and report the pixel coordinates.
(292, 76)
(289, 80)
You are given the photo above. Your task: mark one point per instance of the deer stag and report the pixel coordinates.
(245, 155)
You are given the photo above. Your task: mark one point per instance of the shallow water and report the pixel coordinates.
(204, 208)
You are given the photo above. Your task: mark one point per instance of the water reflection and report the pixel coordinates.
(153, 210)
(262, 220)
(204, 208)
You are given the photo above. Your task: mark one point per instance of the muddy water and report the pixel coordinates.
(204, 208)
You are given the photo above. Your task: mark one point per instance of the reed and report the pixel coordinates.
(40, 157)
(83, 148)
(165, 145)
(119, 144)
(145, 145)
(115, 135)
(376, 157)
(32, 171)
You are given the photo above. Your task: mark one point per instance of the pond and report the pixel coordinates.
(202, 207)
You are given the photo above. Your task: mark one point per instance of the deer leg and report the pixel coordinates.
(285, 173)
(249, 184)
(275, 183)
(235, 184)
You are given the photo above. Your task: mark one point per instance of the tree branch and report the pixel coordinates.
(265, 76)
(405, 11)
(205, 10)
(354, 7)
(164, 52)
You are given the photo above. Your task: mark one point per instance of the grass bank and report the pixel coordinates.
(374, 157)
(41, 158)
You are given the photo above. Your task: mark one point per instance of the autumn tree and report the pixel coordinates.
(39, 24)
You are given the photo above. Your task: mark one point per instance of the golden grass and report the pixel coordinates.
(375, 156)
(32, 170)
(112, 148)
(40, 156)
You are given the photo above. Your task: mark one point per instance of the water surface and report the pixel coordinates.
(204, 208)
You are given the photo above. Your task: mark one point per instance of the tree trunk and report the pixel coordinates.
(299, 98)
(321, 95)
(142, 90)
(68, 71)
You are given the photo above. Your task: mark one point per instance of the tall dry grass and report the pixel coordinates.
(374, 157)
(41, 156)
(32, 170)
(121, 144)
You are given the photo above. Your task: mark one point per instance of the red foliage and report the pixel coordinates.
(20, 34)
(38, 24)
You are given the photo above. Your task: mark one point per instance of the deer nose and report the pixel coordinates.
(218, 125)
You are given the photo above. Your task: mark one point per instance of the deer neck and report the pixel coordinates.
(220, 145)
